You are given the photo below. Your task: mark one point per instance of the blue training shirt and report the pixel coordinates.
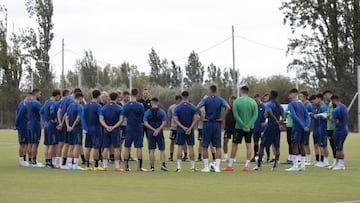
(49, 110)
(300, 115)
(260, 119)
(213, 105)
(33, 108)
(155, 117)
(320, 123)
(185, 112)
(73, 111)
(134, 113)
(21, 116)
(92, 111)
(341, 114)
(65, 104)
(271, 106)
(112, 112)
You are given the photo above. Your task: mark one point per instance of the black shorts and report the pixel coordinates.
(200, 134)
(228, 134)
(173, 134)
(240, 134)
(330, 134)
(123, 132)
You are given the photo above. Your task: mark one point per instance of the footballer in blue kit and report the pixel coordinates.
(259, 126)
(21, 127)
(48, 113)
(300, 130)
(111, 118)
(33, 108)
(276, 116)
(185, 116)
(340, 117)
(304, 97)
(320, 130)
(75, 124)
(155, 120)
(92, 112)
(212, 125)
(134, 113)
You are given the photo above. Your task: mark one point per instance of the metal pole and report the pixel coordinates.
(79, 78)
(182, 80)
(130, 80)
(358, 81)
(62, 80)
(235, 82)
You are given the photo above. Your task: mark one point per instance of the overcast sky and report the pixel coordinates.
(126, 30)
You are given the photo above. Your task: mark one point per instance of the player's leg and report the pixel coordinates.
(216, 143)
(180, 141)
(256, 138)
(234, 148)
(200, 135)
(70, 151)
(206, 140)
(267, 149)
(330, 135)
(324, 150)
(190, 140)
(288, 139)
(151, 146)
(115, 141)
(77, 149)
(225, 145)
(105, 153)
(138, 143)
(160, 140)
(111, 154)
(95, 140)
(339, 140)
(88, 146)
(307, 149)
(213, 151)
(247, 138)
(185, 150)
(295, 142)
(316, 148)
(172, 144)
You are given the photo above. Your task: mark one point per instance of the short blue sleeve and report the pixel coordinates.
(336, 113)
(223, 102)
(268, 106)
(146, 115)
(203, 101)
(163, 115)
(195, 110)
(121, 111)
(99, 112)
(323, 108)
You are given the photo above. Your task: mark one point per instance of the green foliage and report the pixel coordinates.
(38, 43)
(88, 69)
(160, 71)
(194, 70)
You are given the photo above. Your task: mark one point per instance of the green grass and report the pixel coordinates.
(18, 184)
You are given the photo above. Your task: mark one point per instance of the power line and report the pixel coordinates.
(260, 44)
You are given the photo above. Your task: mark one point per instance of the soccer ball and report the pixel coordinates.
(212, 166)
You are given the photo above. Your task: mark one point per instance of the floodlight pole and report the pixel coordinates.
(358, 83)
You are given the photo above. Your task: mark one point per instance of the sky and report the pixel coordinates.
(126, 30)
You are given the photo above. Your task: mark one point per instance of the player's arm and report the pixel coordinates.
(254, 116)
(227, 110)
(164, 119)
(53, 113)
(335, 116)
(69, 128)
(237, 117)
(20, 115)
(295, 117)
(201, 104)
(179, 124)
(103, 123)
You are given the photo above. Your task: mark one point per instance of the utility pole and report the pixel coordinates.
(130, 79)
(235, 82)
(358, 84)
(182, 80)
(79, 78)
(62, 80)
(297, 77)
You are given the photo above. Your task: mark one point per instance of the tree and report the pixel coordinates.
(160, 72)
(175, 75)
(38, 44)
(88, 69)
(194, 70)
(103, 74)
(327, 42)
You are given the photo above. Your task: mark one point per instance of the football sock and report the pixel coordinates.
(152, 166)
(82, 157)
(179, 163)
(322, 158)
(199, 156)
(247, 163)
(69, 161)
(34, 160)
(289, 157)
(192, 164)
(139, 163)
(105, 162)
(24, 157)
(111, 157)
(163, 164)
(308, 158)
(171, 155)
(117, 163)
(217, 166)
(268, 153)
(76, 160)
(317, 157)
(126, 163)
(185, 155)
(87, 163)
(303, 159)
(96, 164)
(225, 156)
(231, 162)
(206, 163)
(63, 161)
(295, 161)
(53, 161)
(213, 156)
(326, 160)
(256, 149)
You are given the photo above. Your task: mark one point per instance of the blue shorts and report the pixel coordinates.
(211, 134)
(23, 136)
(322, 140)
(271, 136)
(158, 140)
(257, 136)
(112, 138)
(35, 134)
(181, 138)
(297, 136)
(135, 136)
(75, 137)
(123, 132)
(63, 135)
(93, 138)
(339, 140)
(306, 140)
(50, 135)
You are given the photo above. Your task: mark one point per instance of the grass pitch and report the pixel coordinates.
(20, 184)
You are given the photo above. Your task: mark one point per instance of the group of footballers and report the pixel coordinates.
(112, 123)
